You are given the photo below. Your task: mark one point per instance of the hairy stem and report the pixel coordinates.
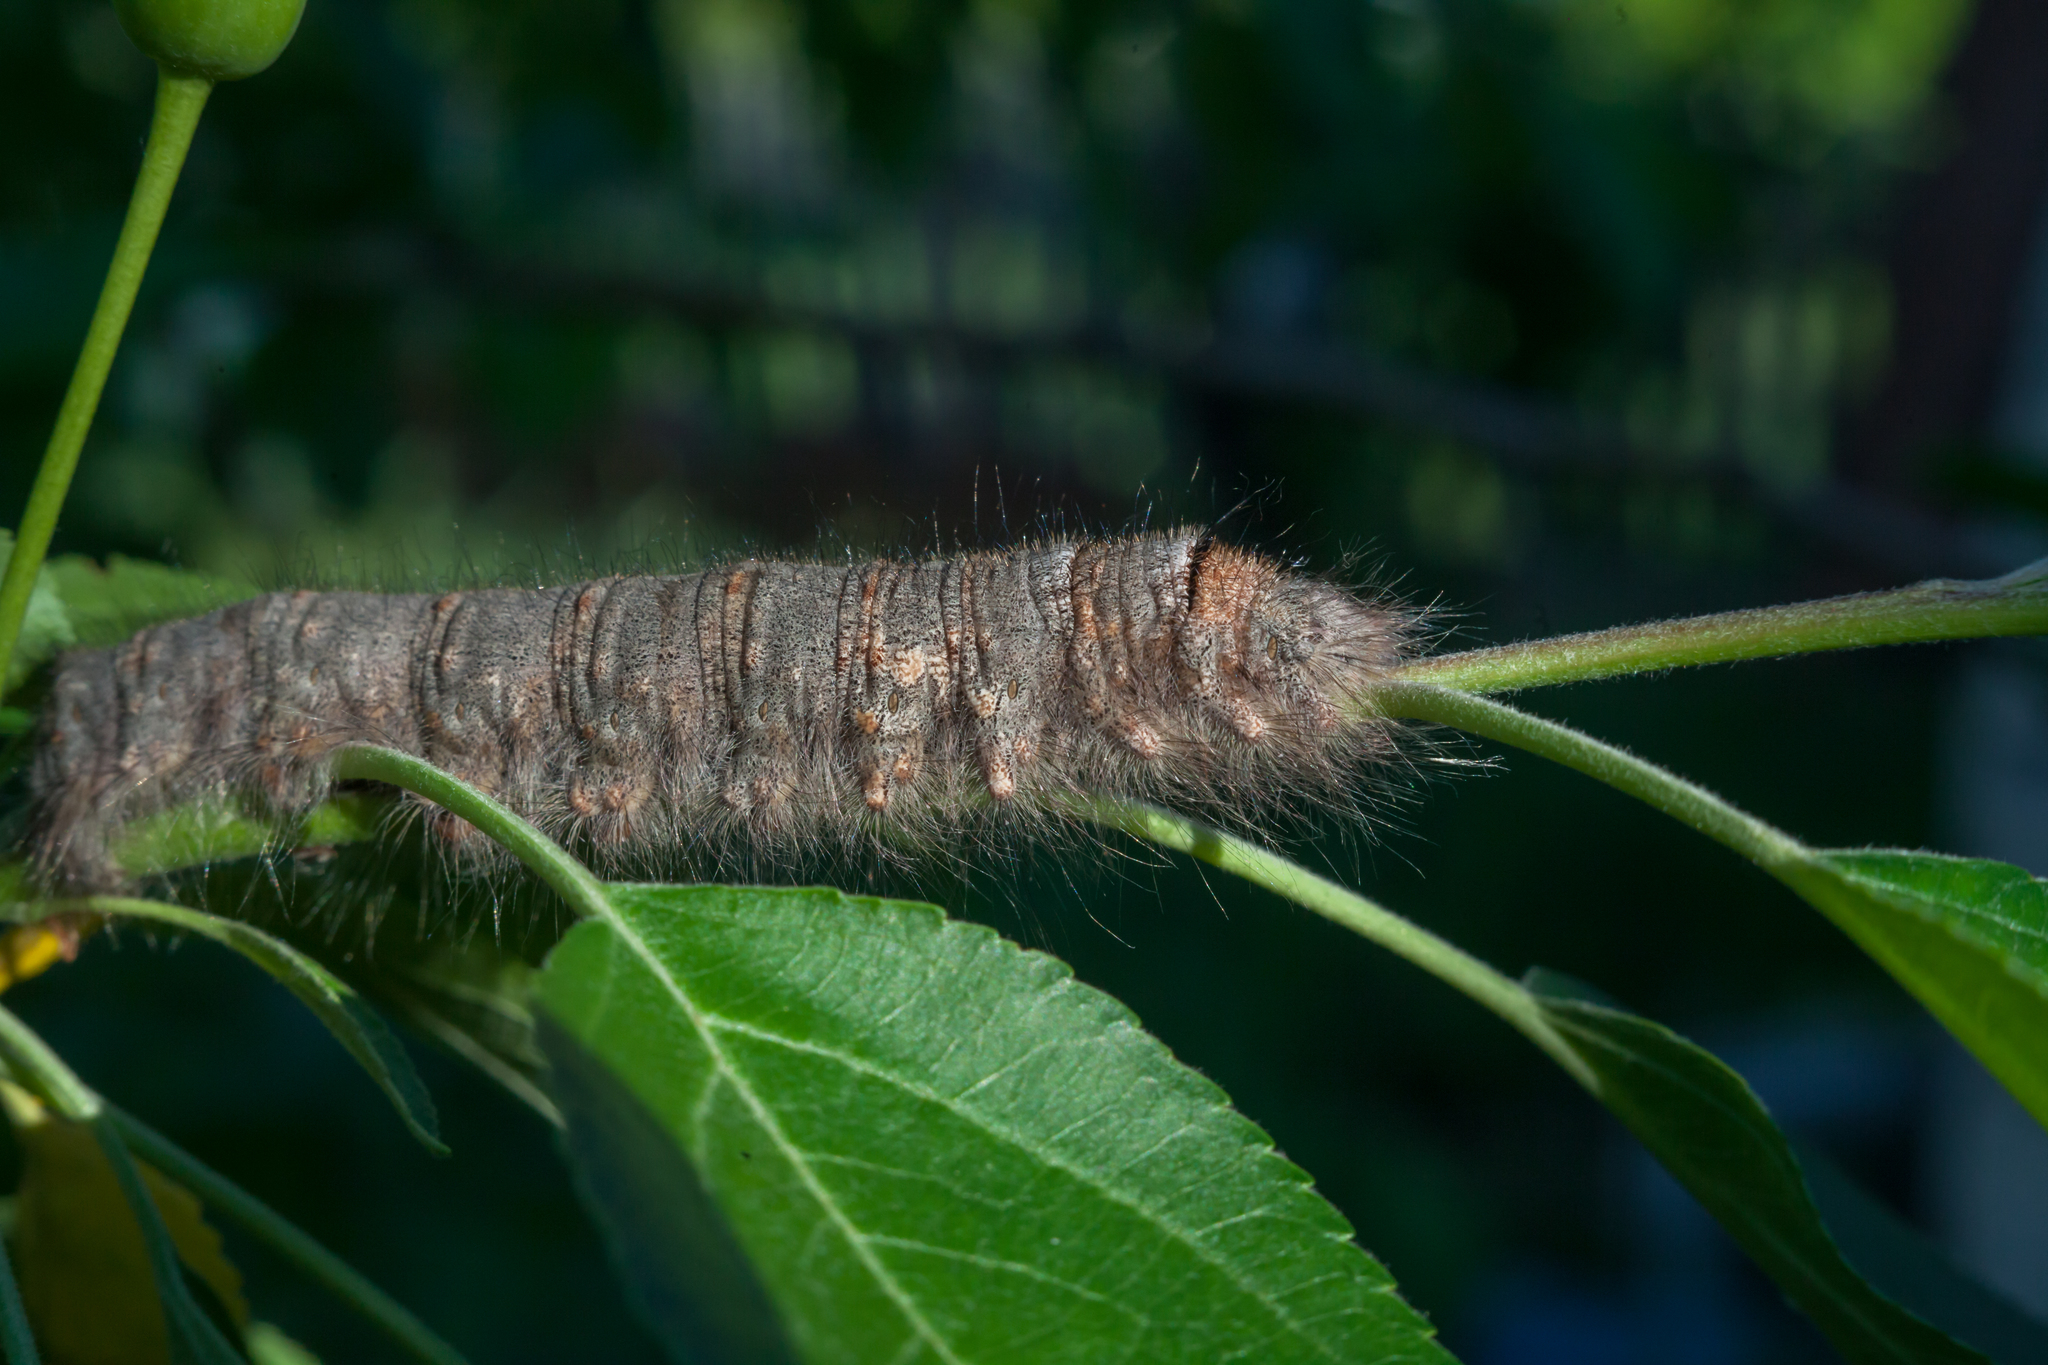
(1768, 847)
(571, 880)
(319, 1264)
(1942, 609)
(1407, 940)
(179, 100)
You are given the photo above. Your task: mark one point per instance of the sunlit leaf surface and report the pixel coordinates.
(936, 1146)
(107, 603)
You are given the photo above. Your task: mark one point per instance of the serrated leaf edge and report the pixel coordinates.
(1064, 983)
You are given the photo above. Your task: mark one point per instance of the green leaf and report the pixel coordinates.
(195, 1338)
(77, 603)
(336, 1004)
(1707, 1127)
(268, 1345)
(107, 604)
(45, 629)
(936, 1146)
(1694, 1114)
(1968, 937)
(1892, 1255)
(685, 1271)
(201, 833)
(474, 1001)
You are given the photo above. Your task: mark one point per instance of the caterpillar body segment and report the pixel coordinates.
(773, 704)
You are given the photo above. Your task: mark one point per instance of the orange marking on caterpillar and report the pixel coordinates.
(1168, 667)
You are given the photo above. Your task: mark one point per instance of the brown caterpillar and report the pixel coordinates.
(763, 703)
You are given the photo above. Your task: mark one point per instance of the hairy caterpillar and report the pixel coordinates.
(766, 703)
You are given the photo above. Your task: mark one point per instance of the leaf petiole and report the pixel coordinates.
(571, 880)
(1687, 802)
(179, 100)
(1941, 609)
(1405, 939)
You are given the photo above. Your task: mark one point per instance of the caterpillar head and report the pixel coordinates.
(1262, 648)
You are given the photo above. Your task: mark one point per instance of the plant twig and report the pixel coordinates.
(179, 100)
(1763, 844)
(1403, 938)
(1942, 609)
(571, 880)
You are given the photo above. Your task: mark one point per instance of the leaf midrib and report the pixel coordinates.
(1001, 1133)
(1965, 922)
(920, 1327)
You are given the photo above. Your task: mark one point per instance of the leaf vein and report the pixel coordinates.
(1287, 1317)
(765, 1117)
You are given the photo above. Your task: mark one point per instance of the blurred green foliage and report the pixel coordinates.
(1549, 304)
(628, 265)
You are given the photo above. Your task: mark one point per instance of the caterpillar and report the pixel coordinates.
(766, 704)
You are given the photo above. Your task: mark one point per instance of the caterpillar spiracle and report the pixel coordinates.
(763, 704)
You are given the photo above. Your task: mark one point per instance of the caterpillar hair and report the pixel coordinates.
(766, 705)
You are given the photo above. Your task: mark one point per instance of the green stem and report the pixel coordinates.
(1942, 609)
(183, 1318)
(32, 1062)
(16, 1340)
(179, 100)
(569, 878)
(44, 1072)
(1768, 847)
(341, 1279)
(1434, 955)
(30, 1059)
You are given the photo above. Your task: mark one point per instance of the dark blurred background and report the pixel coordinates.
(1566, 313)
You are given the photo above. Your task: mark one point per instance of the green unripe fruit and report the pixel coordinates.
(219, 40)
